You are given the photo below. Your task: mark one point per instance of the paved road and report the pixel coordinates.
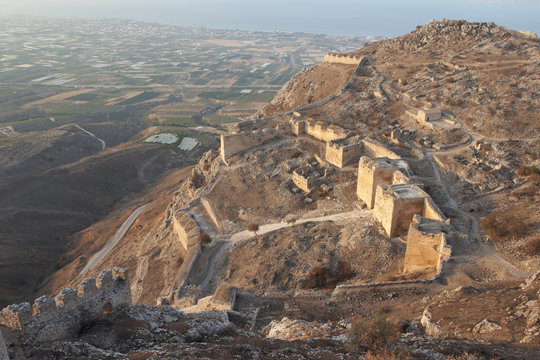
(97, 257)
(93, 135)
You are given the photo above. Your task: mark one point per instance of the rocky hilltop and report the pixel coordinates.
(384, 203)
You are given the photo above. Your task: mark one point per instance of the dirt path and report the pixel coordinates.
(103, 145)
(100, 255)
(246, 234)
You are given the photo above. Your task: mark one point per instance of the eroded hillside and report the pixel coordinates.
(406, 188)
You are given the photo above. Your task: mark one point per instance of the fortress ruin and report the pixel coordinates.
(187, 229)
(232, 144)
(343, 152)
(395, 206)
(50, 319)
(373, 172)
(304, 178)
(426, 246)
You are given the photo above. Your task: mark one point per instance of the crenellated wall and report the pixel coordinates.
(376, 149)
(342, 58)
(318, 130)
(50, 319)
(426, 246)
(187, 229)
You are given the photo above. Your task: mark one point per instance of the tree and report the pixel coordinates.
(204, 239)
(253, 227)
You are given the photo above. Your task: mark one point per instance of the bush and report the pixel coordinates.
(253, 227)
(204, 239)
(371, 334)
(324, 277)
(505, 226)
(532, 247)
(296, 153)
(528, 170)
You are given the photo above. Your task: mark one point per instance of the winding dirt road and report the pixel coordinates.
(103, 145)
(97, 257)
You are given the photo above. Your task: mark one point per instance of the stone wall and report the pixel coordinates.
(426, 246)
(338, 58)
(234, 143)
(376, 149)
(371, 173)
(50, 319)
(303, 178)
(318, 130)
(343, 152)
(210, 211)
(395, 206)
(187, 229)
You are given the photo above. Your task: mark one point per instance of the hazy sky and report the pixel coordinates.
(340, 17)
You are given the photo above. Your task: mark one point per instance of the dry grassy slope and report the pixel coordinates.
(309, 86)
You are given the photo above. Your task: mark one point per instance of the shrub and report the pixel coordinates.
(296, 153)
(325, 277)
(374, 334)
(534, 179)
(528, 170)
(532, 247)
(253, 227)
(204, 239)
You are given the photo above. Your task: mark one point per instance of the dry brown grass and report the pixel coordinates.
(501, 226)
(374, 334)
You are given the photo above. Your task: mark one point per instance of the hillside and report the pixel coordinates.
(384, 203)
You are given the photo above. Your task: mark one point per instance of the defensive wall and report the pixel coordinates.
(376, 149)
(395, 206)
(232, 144)
(426, 246)
(187, 229)
(373, 172)
(343, 152)
(50, 319)
(338, 58)
(318, 130)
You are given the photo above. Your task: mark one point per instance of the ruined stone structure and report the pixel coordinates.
(343, 152)
(395, 206)
(373, 172)
(425, 116)
(318, 130)
(304, 178)
(50, 319)
(187, 229)
(426, 246)
(232, 144)
(338, 58)
(376, 149)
